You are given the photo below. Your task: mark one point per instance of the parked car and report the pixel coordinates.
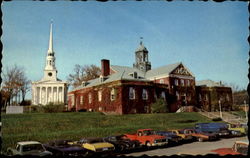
(237, 129)
(64, 148)
(220, 129)
(239, 148)
(96, 145)
(172, 137)
(184, 136)
(26, 148)
(121, 143)
(201, 136)
(147, 137)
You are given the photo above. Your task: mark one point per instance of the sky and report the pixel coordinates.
(209, 38)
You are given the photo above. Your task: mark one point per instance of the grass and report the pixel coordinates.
(49, 126)
(239, 113)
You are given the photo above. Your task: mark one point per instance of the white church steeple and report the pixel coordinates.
(50, 72)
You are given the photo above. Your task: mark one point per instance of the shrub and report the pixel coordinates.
(51, 107)
(217, 119)
(160, 106)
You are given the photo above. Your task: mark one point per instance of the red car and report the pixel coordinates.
(239, 148)
(148, 138)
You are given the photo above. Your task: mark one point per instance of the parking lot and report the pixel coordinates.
(194, 148)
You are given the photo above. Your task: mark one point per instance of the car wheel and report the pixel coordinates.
(200, 139)
(148, 145)
(9, 153)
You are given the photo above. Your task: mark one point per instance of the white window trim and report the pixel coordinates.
(144, 94)
(90, 98)
(131, 93)
(112, 94)
(100, 96)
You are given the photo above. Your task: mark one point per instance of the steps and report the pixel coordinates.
(226, 116)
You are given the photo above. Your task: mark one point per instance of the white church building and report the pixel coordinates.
(49, 89)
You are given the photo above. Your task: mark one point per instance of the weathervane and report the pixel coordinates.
(141, 38)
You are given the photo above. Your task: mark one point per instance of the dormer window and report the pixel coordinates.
(134, 75)
(84, 83)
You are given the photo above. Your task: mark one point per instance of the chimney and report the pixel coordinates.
(105, 68)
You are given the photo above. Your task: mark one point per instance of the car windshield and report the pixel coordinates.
(31, 147)
(181, 131)
(62, 143)
(148, 132)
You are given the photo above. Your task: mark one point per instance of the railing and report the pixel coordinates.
(230, 118)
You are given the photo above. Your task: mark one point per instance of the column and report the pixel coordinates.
(63, 95)
(46, 95)
(40, 96)
(57, 94)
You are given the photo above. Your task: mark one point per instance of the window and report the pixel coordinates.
(144, 94)
(161, 81)
(163, 95)
(131, 93)
(50, 62)
(176, 82)
(112, 94)
(177, 95)
(99, 96)
(206, 97)
(90, 98)
(81, 100)
(188, 82)
(73, 100)
(200, 99)
(182, 82)
(228, 97)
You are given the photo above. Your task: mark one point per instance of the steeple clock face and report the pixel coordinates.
(49, 74)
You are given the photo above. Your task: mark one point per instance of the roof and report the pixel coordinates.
(122, 73)
(126, 73)
(141, 48)
(28, 142)
(209, 83)
(167, 69)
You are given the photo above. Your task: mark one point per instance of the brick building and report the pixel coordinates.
(124, 90)
(210, 94)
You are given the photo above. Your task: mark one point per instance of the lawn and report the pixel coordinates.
(75, 125)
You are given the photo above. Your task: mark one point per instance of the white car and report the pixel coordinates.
(28, 148)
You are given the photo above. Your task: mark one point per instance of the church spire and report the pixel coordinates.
(51, 38)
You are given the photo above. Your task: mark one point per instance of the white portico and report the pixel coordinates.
(49, 89)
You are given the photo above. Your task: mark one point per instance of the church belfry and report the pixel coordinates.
(50, 72)
(141, 58)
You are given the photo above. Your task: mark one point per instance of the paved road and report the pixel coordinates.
(194, 148)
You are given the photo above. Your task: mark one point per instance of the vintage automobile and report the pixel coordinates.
(172, 138)
(121, 143)
(64, 148)
(96, 145)
(220, 129)
(239, 148)
(200, 136)
(184, 136)
(31, 148)
(237, 129)
(147, 137)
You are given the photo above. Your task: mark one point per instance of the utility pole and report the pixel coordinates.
(220, 109)
(245, 108)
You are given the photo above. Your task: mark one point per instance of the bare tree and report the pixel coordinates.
(14, 83)
(235, 87)
(83, 73)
